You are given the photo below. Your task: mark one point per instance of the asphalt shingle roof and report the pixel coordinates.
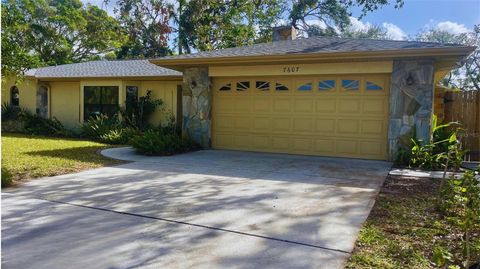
(313, 45)
(102, 69)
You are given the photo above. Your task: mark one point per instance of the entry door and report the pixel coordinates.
(344, 116)
(42, 101)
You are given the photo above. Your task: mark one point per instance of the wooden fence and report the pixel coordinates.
(464, 107)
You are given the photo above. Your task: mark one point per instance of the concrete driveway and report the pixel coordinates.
(207, 209)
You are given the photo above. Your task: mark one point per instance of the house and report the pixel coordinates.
(74, 92)
(316, 96)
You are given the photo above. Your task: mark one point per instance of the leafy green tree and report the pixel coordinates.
(16, 56)
(466, 77)
(332, 15)
(210, 24)
(371, 32)
(147, 23)
(50, 32)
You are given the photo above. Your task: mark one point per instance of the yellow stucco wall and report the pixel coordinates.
(27, 89)
(165, 90)
(65, 103)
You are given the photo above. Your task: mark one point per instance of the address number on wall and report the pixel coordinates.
(291, 69)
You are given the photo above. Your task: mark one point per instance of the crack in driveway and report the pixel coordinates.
(191, 224)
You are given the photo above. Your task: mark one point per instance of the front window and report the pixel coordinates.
(14, 96)
(100, 100)
(131, 100)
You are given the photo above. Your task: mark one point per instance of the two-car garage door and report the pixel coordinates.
(343, 116)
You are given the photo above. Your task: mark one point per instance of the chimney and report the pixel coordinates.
(284, 33)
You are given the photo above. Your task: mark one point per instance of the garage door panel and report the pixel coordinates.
(348, 126)
(261, 141)
(262, 104)
(302, 144)
(262, 124)
(373, 127)
(242, 141)
(304, 115)
(280, 143)
(243, 123)
(325, 125)
(325, 146)
(281, 124)
(374, 106)
(349, 105)
(325, 105)
(282, 104)
(224, 104)
(346, 147)
(374, 148)
(303, 125)
(303, 105)
(242, 105)
(223, 140)
(222, 122)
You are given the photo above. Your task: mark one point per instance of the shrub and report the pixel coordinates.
(6, 177)
(442, 152)
(99, 125)
(138, 112)
(460, 204)
(10, 112)
(37, 125)
(154, 142)
(118, 136)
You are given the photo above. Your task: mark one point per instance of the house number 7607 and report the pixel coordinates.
(291, 69)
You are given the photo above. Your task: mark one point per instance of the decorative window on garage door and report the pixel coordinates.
(325, 85)
(280, 87)
(262, 85)
(243, 86)
(350, 84)
(305, 87)
(226, 87)
(370, 86)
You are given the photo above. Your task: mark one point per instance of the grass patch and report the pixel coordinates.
(25, 156)
(405, 227)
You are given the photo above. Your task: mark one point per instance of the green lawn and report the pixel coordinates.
(27, 156)
(404, 227)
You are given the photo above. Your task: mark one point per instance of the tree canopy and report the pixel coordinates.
(466, 77)
(147, 24)
(50, 32)
(212, 24)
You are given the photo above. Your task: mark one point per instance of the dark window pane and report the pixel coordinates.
(92, 95)
(14, 96)
(110, 95)
(109, 110)
(262, 85)
(131, 99)
(100, 100)
(281, 87)
(243, 85)
(92, 111)
(226, 87)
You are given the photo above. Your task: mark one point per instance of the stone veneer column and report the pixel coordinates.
(196, 106)
(411, 102)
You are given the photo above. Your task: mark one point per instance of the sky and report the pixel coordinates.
(454, 16)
